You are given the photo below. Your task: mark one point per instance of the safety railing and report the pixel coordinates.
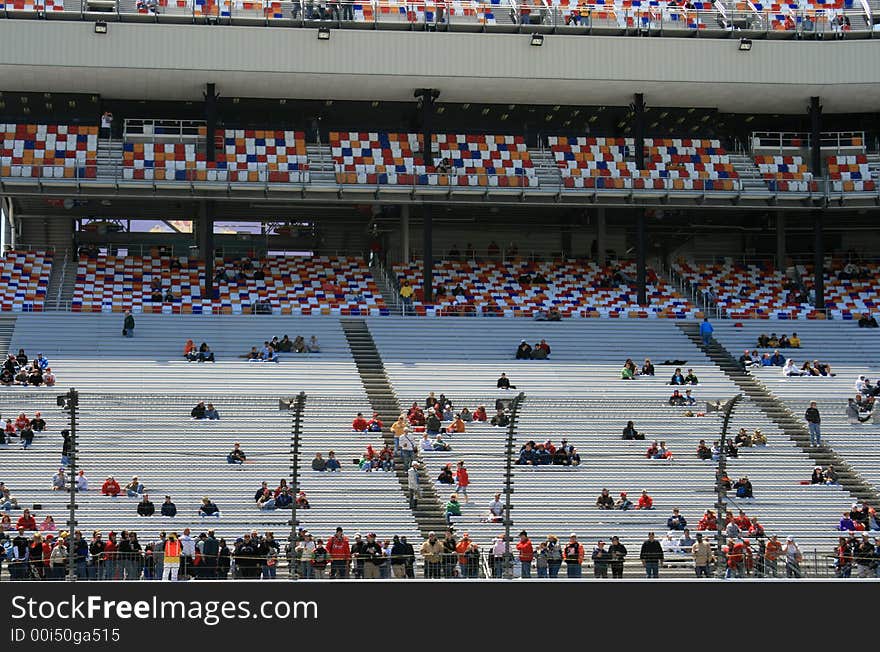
(789, 142)
(164, 131)
(474, 15)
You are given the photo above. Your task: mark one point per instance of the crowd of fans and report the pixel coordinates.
(23, 429)
(541, 351)
(623, 503)
(271, 349)
(17, 370)
(545, 454)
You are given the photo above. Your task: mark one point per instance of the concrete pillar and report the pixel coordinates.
(780, 241)
(819, 261)
(428, 254)
(205, 233)
(641, 273)
(2, 224)
(211, 121)
(404, 234)
(10, 214)
(815, 137)
(601, 238)
(638, 107)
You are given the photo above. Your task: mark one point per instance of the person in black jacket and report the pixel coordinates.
(630, 432)
(504, 382)
(210, 554)
(146, 507)
(169, 508)
(198, 412)
(432, 423)
(651, 556)
(374, 558)
(601, 559)
(618, 556)
(410, 559)
(523, 351)
(224, 560)
(398, 558)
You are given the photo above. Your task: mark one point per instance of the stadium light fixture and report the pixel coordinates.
(537, 40)
(323, 33)
(100, 27)
(745, 44)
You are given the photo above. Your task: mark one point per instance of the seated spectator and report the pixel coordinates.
(763, 341)
(48, 524)
(466, 416)
(823, 368)
(645, 501)
(205, 353)
(480, 413)
(22, 422)
(677, 377)
(523, 351)
(189, 351)
(7, 378)
(708, 522)
(691, 378)
(756, 529)
(134, 488)
(527, 455)
(169, 296)
(818, 476)
(375, 424)
(766, 361)
(58, 481)
(236, 456)
(313, 346)
(790, 369)
(266, 500)
(453, 508)
(284, 345)
(652, 450)
(432, 423)
(663, 453)
(333, 463)
(501, 419)
(415, 415)
(168, 508)
(26, 521)
(689, 397)
(386, 458)
(777, 359)
(794, 341)
(299, 344)
(746, 360)
(439, 445)
(198, 412)
(554, 315)
(146, 507)
(253, 355)
(21, 359)
(35, 377)
(630, 432)
(605, 501)
(676, 521)
(743, 488)
(830, 475)
(504, 382)
(759, 438)
(208, 508)
(446, 475)
(676, 399)
(648, 368)
(111, 487)
(867, 321)
(541, 351)
(629, 370)
(846, 523)
(40, 362)
(38, 424)
(269, 355)
(359, 424)
(283, 499)
(211, 413)
(82, 483)
(784, 342)
(457, 426)
(319, 463)
(742, 438)
(425, 443)
(773, 341)
(703, 451)
(623, 503)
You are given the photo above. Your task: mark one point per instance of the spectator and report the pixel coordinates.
(319, 463)
(146, 507)
(623, 503)
(504, 382)
(691, 378)
(813, 420)
(703, 451)
(541, 351)
(480, 414)
(629, 370)
(211, 413)
(618, 557)
(573, 555)
(630, 432)
(82, 483)
(703, 557)
(198, 412)
(496, 510)
(676, 400)
(867, 321)
(413, 485)
(677, 377)
(645, 501)
(333, 463)
(134, 488)
(759, 438)
(111, 487)
(523, 351)
(190, 353)
(359, 424)
(58, 481)
(676, 521)
(439, 445)
(26, 521)
(777, 359)
(743, 488)
(601, 560)
(648, 368)
(38, 424)
(706, 330)
(168, 508)
(500, 420)
(432, 550)
(453, 508)
(48, 524)
(605, 501)
(208, 508)
(128, 325)
(375, 424)
(818, 476)
(205, 353)
(651, 555)
(791, 370)
(793, 558)
(299, 344)
(236, 456)
(462, 480)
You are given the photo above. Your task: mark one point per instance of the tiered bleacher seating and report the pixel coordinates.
(49, 151)
(249, 155)
(850, 298)
(32, 5)
(24, 280)
(574, 289)
(474, 160)
(319, 285)
(746, 291)
(676, 164)
(786, 173)
(850, 174)
(851, 352)
(576, 394)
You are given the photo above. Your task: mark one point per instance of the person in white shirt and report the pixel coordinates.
(306, 548)
(496, 510)
(498, 550)
(407, 448)
(427, 444)
(187, 552)
(790, 369)
(82, 484)
(412, 478)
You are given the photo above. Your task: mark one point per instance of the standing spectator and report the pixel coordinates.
(703, 557)
(398, 558)
(128, 325)
(340, 555)
(499, 554)
(601, 559)
(374, 558)
(813, 420)
(618, 556)
(406, 293)
(793, 558)
(651, 556)
(574, 556)
(706, 330)
(462, 481)
(107, 125)
(526, 554)
(413, 490)
(432, 549)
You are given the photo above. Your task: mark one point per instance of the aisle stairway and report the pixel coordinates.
(383, 400)
(781, 415)
(748, 172)
(7, 327)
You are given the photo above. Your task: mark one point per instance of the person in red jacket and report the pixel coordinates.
(480, 414)
(359, 424)
(742, 521)
(111, 562)
(708, 522)
(374, 424)
(340, 555)
(645, 501)
(734, 559)
(27, 521)
(526, 554)
(462, 481)
(110, 487)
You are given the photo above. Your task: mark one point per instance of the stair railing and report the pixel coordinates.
(61, 280)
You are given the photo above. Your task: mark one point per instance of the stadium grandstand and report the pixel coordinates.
(456, 289)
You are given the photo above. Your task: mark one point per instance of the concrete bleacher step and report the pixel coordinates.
(428, 513)
(321, 166)
(748, 172)
(7, 328)
(782, 416)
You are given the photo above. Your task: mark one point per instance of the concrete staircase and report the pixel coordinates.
(389, 292)
(429, 514)
(109, 160)
(7, 327)
(321, 167)
(62, 282)
(748, 172)
(781, 415)
(545, 168)
(874, 159)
